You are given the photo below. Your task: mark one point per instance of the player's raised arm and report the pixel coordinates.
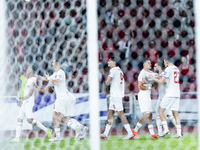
(41, 77)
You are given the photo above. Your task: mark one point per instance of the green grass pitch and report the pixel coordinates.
(187, 142)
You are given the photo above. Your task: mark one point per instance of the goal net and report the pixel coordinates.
(37, 31)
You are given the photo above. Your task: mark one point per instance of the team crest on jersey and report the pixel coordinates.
(165, 73)
(60, 76)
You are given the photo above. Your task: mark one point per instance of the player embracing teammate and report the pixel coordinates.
(64, 104)
(144, 98)
(171, 98)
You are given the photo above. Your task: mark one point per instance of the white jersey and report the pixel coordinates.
(60, 88)
(30, 82)
(172, 78)
(117, 82)
(144, 75)
(161, 88)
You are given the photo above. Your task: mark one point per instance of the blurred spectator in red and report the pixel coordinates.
(151, 53)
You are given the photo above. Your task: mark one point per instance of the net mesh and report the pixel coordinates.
(39, 30)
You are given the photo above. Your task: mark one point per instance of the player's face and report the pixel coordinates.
(155, 68)
(148, 64)
(166, 63)
(110, 63)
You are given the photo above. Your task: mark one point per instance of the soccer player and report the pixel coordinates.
(158, 67)
(171, 98)
(116, 81)
(26, 104)
(144, 98)
(64, 104)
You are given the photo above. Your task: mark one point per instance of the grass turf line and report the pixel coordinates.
(114, 142)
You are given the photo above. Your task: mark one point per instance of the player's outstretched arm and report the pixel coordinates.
(162, 80)
(55, 82)
(41, 77)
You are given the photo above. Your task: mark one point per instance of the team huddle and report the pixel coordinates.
(168, 101)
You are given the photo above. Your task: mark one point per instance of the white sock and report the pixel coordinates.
(108, 127)
(19, 129)
(39, 125)
(164, 124)
(72, 123)
(57, 130)
(171, 117)
(159, 125)
(178, 129)
(128, 129)
(138, 126)
(151, 129)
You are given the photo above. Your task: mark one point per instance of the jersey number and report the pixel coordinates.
(176, 77)
(121, 77)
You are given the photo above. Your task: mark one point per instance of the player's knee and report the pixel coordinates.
(175, 113)
(120, 114)
(30, 120)
(160, 111)
(147, 115)
(110, 121)
(54, 117)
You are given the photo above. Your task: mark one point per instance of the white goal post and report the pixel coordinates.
(93, 74)
(197, 37)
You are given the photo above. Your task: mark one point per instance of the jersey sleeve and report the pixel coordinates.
(111, 73)
(166, 73)
(60, 75)
(140, 77)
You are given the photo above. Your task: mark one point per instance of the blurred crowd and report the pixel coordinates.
(152, 29)
(133, 30)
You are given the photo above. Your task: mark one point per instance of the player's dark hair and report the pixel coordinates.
(161, 64)
(118, 64)
(146, 59)
(114, 58)
(169, 59)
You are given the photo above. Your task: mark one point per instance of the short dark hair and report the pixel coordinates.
(169, 58)
(160, 64)
(114, 58)
(146, 59)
